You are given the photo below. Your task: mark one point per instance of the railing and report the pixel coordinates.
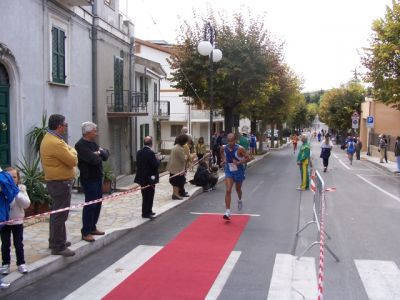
(124, 101)
(201, 114)
(162, 109)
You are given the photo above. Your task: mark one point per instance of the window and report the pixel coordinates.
(144, 131)
(58, 38)
(155, 92)
(176, 130)
(144, 87)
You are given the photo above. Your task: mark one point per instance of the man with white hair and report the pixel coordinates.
(303, 161)
(90, 164)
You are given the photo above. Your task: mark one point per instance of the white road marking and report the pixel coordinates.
(381, 279)
(103, 283)
(261, 183)
(293, 279)
(223, 276)
(335, 156)
(344, 165)
(379, 188)
(220, 214)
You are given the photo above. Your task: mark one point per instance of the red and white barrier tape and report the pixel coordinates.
(110, 197)
(321, 251)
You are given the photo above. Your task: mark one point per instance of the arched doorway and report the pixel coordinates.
(5, 158)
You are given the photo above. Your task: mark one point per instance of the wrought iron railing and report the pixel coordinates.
(126, 102)
(162, 109)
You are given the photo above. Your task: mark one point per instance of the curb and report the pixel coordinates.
(52, 263)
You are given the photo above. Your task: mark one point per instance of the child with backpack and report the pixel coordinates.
(351, 148)
(16, 227)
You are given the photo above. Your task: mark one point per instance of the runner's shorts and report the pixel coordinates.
(237, 176)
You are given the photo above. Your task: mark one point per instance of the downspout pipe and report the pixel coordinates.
(94, 62)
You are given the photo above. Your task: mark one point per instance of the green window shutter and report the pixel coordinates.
(119, 83)
(155, 92)
(58, 55)
(146, 129)
(146, 89)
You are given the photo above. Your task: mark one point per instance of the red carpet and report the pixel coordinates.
(187, 267)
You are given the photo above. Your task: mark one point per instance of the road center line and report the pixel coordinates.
(379, 188)
(344, 165)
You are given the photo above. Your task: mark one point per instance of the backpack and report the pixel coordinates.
(350, 147)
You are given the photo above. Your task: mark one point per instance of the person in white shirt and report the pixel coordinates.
(326, 148)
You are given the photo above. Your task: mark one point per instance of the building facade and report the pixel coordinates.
(45, 68)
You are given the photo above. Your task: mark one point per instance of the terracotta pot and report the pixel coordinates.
(107, 186)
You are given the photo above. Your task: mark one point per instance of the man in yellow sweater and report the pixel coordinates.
(58, 161)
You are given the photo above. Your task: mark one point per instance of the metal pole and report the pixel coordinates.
(211, 70)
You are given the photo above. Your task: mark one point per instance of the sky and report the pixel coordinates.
(323, 39)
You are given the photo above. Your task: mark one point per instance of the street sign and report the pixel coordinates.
(354, 123)
(355, 115)
(370, 122)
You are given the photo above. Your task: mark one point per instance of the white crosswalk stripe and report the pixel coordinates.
(293, 279)
(103, 283)
(381, 279)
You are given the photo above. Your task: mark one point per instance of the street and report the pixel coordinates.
(361, 219)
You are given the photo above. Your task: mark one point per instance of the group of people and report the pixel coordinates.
(233, 158)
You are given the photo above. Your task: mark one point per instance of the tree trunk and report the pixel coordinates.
(253, 126)
(228, 114)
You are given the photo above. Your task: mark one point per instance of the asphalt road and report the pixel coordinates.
(361, 219)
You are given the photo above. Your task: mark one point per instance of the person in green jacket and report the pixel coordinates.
(303, 161)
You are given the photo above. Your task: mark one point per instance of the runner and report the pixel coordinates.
(234, 157)
(295, 139)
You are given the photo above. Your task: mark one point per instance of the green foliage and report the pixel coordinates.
(337, 106)
(108, 171)
(241, 77)
(382, 58)
(37, 133)
(33, 179)
(313, 97)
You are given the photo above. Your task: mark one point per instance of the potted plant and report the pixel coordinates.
(108, 177)
(33, 178)
(37, 133)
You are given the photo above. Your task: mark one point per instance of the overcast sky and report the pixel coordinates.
(323, 38)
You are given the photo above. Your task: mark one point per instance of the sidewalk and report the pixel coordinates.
(120, 213)
(390, 166)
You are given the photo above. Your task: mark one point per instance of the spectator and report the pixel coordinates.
(90, 164)
(382, 147)
(200, 148)
(304, 161)
(177, 166)
(204, 178)
(351, 148)
(147, 176)
(397, 153)
(8, 192)
(16, 227)
(58, 161)
(253, 144)
(358, 148)
(326, 148)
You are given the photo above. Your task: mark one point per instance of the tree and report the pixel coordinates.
(239, 77)
(382, 58)
(337, 106)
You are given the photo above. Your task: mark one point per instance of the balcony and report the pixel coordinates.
(122, 104)
(201, 115)
(162, 110)
(76, 2)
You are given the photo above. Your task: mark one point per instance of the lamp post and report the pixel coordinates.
(207, 48)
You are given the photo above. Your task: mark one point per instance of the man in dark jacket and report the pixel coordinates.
(90, 164)
(147, 176)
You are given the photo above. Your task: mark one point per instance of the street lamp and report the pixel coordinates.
(207, 48)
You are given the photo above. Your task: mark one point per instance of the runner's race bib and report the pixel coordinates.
(232, 167)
